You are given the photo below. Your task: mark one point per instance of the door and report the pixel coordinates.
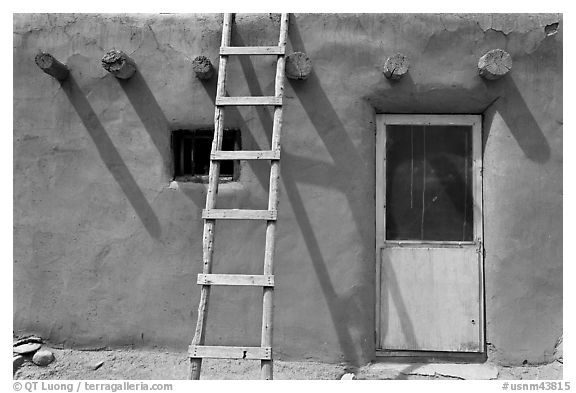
(429, 274)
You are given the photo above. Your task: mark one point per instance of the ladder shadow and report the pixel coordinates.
(339, 309)
(111, 158)
(252, 81)
(263, 112)
(346, 160)
(342, 310)
(390, 291)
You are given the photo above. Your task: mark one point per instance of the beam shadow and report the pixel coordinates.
(197, 195)
(155, 123)
(519, 119)
(501, 96)
(111, 157)
(149, 112)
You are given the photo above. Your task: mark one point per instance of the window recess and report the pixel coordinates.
(191, 155)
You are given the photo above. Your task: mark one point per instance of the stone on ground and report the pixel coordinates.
(348, 376)
(96, 365)
(43, 357)
(27, 340)
(27, 348)
(17, 361)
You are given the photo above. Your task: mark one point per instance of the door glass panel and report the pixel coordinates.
(429, 183)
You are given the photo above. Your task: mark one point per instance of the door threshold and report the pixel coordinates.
(392, 356)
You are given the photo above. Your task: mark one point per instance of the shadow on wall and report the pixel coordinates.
(149, 112)
(407, 96)
(111, 157)
(391, 291)
(233, 116)
(343, 311)
(323, 117)
(156, 124)
(519, 119)
(502, 96)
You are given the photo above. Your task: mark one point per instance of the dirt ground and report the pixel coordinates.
(149, 364)
(163, 365)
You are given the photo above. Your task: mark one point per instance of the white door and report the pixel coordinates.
(429, 233)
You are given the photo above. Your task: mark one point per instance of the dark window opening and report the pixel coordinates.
(429, 183)
(191, 154)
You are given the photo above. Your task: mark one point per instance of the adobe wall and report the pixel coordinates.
(107, 249)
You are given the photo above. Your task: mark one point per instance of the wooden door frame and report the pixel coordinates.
(383, 120)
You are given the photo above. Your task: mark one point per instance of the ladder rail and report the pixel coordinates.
(214, 174)
(266, 366)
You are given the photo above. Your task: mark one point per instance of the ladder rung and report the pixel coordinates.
(227, 101)
(239, 214)
(252, 50)
(246, 155)
(236, 279)
(217, 352)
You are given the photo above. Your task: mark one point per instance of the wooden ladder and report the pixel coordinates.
(197, 350)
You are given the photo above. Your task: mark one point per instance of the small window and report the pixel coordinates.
(191, 152)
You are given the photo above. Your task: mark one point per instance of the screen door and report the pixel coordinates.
(429, 233)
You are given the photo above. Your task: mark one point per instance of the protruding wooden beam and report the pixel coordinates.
(396, 66)
(202, 67)
(51, 66)
(298, 66)
(119, 64)
(494, 64)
